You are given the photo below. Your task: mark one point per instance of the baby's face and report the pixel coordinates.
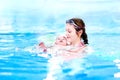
(61, 40)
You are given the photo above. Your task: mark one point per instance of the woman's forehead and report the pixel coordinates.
(69, 26)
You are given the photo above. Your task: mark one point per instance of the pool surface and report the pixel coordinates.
(18, 62)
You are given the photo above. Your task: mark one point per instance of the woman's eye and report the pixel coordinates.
(68, 31)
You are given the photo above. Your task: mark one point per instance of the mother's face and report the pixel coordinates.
(71, 33)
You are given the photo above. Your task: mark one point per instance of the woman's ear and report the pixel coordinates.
(80, 32)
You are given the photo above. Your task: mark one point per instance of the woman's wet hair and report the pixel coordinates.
(79, 25)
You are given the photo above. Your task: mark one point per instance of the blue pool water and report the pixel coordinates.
(17, 62)
(25, 23)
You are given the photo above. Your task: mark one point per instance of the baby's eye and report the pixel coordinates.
(69, 31)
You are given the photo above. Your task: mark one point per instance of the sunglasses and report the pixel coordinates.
(73, 23)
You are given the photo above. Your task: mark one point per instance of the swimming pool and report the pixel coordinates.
(24, 26)
(17, 62)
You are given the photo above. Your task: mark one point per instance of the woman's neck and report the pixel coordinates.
(76, 42)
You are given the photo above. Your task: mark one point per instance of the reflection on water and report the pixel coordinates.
(117, 74)
(59, 70)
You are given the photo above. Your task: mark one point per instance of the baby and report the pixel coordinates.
(60, 42)
(61, 48)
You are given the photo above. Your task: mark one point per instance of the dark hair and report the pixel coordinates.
(79, 25)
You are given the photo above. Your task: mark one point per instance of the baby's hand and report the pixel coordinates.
(42, 45)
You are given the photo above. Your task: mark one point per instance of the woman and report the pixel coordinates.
(76, 34)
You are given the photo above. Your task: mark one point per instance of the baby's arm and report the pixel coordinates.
(45, 48)
(42, 46)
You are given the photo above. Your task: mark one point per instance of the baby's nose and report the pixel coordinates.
(61, 40)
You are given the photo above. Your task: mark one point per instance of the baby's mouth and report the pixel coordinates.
(61, 41)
